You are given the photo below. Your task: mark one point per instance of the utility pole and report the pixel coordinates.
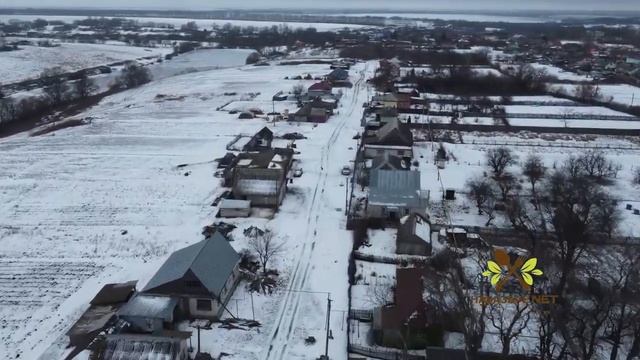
(253, 312)
(326, 346)
(198, 327)
(346, 195)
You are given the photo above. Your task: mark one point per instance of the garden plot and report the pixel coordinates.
(622, 93)
(563, 110)
(468, 160)
(373, 285)
(32, 291)
(381, 243)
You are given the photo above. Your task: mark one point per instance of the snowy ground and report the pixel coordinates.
(30, 61)
(106, 202)
(621, 94)
(560, 73)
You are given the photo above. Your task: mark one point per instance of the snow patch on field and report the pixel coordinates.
(30, 61)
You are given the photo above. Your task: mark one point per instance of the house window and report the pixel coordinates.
(203, 305)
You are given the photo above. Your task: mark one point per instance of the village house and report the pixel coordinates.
(261, 177)
(394, 194)
(387, 100)
(319, 89)
(338, 75)
(315, 112)
(386, 115)
(406, 315)
(394, 138)
(414, 235)
(260, 141)
(201, 277)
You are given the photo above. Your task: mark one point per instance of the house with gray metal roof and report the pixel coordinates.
(394, 194)
(393, 138)
(201, 276)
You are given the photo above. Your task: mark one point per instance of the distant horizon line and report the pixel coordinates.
(332, 11)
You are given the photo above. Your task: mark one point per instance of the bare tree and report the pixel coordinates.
(596, 165)
(479, 189)
(133, 75)
(624, 291)
(506, 183)
(8, 110)
(54, 84)
(266, 248)
(510, 320)
(534, 170)
(526, 220)
(297, 91)
(499, 159)
(380, 294)
(84, 86)
(584, 320)
(551, 344)
(587, 92)
(574, 206)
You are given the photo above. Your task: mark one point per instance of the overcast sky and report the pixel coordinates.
(424, 5)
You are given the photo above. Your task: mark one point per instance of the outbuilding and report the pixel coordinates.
(230, 208)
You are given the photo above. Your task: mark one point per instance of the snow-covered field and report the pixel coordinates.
(419, 70)
(106, 202)
(202, 23)
(30, 61)
(451, 16)
(621, 93)
(560, 73)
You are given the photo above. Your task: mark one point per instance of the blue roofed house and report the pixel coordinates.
(394, 194)
(201, 277)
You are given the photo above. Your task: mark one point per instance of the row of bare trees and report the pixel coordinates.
(564, 216)
(58, 90)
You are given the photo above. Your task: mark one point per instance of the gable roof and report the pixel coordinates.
(340, 74)
(393, 133)
(114, 293)
(397, 187)
(211, 261)
(265, 132)
(265, 159)
(320, 86)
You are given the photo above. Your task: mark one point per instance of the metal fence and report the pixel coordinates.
(533, 129)
(556, 144)
(361, 315)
